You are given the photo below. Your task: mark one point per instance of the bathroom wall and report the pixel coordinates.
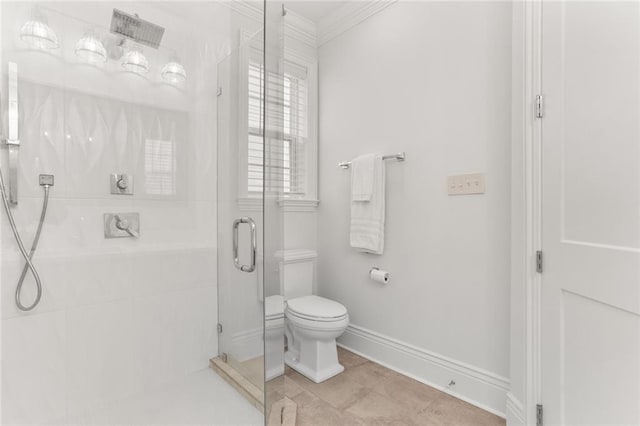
(431, 79)
(118, 316)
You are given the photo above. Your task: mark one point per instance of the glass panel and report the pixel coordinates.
(240, 276)
(273, 214)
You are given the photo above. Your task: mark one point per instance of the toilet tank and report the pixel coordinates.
(297, 272)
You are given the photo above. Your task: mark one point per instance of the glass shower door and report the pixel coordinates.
(240, 216)
(250, 218)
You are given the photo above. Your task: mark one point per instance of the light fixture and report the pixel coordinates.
(135, 61)
(37, 33)
(90, 49)
(173, 72)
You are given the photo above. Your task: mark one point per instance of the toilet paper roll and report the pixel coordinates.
(379, 276)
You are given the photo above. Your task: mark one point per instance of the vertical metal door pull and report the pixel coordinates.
(254, 244)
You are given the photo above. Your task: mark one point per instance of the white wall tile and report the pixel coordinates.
(99, 355)
(33, 369)
(96, 279)
(174, 335)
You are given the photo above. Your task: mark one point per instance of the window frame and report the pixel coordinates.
(306, 201)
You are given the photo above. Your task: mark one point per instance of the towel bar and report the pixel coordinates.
(399, 156)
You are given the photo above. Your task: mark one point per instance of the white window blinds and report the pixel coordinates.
(160, 167)
(284, 168)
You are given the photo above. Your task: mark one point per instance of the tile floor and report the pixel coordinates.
(202, 398)
(370, 394)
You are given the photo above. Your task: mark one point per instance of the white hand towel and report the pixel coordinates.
(367, 217)
(362, 177)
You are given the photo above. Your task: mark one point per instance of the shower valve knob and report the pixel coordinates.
(122, 184)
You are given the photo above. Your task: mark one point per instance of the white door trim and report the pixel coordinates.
(527, 32)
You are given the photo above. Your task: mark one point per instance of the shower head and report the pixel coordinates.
(136, 29)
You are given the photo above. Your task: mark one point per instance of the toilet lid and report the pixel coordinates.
(273, 306)
(316, 307)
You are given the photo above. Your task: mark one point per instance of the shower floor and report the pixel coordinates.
(200, 398)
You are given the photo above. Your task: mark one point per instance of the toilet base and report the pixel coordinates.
(292, 360)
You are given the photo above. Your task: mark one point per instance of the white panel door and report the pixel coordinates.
(591, 213)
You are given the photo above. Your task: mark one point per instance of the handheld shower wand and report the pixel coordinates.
(46, 181)
(28, 266)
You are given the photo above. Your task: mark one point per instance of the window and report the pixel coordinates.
(159, 167)
(286, 135)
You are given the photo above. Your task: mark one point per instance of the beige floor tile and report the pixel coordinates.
(368, 394)
(375, 409)
(406, 391)
(448, 410)
(291, 388)
(368, 374)
(349, 359)
(313, 411)
(339, 391)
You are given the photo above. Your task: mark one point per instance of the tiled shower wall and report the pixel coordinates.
(118, 316)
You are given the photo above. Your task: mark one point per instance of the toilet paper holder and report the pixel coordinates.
(382, 278)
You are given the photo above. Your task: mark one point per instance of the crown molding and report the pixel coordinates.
(348, 16)
(296, 26)
(300, 28)
(309, 33)
(246, 8)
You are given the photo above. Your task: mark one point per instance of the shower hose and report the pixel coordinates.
(28, 266)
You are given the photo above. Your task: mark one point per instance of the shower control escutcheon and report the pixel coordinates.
(121, 184)
(121, 225)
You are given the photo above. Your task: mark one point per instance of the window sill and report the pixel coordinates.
(286, 204)
(298, 205)
(250, 204)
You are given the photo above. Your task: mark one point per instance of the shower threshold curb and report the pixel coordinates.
(241, 384)
(283, 412)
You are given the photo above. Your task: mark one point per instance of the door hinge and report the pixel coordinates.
(219, 328)
(219, 92)
(539, 414)
(224, 357)
(539, 106)
(539, 261)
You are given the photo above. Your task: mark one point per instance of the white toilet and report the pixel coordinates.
(312, 323)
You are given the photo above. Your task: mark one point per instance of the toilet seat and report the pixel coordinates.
(316, 308)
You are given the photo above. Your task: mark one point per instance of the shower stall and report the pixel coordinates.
(150, 265)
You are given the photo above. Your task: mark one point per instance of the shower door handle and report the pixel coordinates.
(254, 244)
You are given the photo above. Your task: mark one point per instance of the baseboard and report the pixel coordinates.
(474, 385)
(247, 344)
(515, 411)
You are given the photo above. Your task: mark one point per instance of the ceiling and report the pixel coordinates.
(314, 10)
